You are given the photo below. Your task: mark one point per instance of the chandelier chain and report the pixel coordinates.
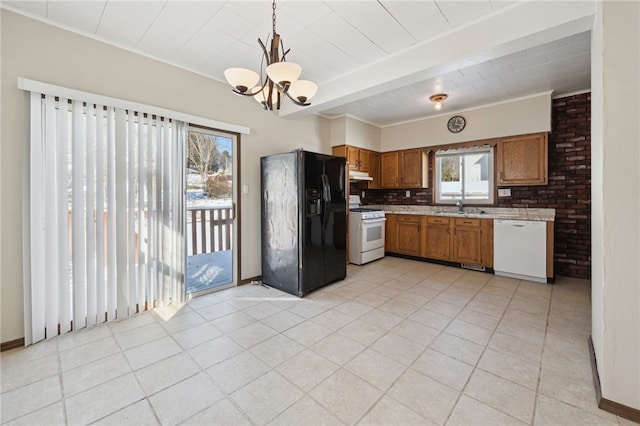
(281, 79)
(273, 16)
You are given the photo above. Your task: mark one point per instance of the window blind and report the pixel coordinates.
(106, 216)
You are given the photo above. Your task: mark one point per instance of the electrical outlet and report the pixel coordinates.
(408, 194)
(504, 192)
(362, 194)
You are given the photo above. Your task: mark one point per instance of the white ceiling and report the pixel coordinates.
(334, 39)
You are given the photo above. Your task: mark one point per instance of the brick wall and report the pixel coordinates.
(568, 191)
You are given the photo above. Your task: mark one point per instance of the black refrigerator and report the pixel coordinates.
(304, 221)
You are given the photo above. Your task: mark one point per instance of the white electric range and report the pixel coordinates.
(366, 232)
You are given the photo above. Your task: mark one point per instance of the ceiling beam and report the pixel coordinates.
(512, 29)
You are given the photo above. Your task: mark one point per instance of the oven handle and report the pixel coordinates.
(374, 220)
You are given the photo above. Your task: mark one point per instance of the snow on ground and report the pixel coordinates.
(198, 198)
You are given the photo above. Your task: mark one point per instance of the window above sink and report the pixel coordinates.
(465, 174)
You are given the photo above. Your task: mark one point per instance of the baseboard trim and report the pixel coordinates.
(12, 344)
(250, 280)
(605, 404)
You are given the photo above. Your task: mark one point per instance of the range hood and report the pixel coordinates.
(355, 176)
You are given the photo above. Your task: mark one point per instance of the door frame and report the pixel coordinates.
(235, 203)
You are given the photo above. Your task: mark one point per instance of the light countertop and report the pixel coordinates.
(547, 215)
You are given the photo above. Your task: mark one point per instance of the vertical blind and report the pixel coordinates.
(106, 214)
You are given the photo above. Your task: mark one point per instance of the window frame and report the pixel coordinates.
(438, 155)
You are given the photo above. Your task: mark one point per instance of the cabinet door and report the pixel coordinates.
(523, 160)
(438, 242)
(411, 175)
(408, 234)
(364, 162)
(353, 157)
(487, 242)
(467, 247)
(390, 235)
(374, 170)
(390, 169)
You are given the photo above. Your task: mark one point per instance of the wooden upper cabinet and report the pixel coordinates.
(414, 168)
(374, 170)
(362, 160)
(390, 165)
(405, 169)
(358, 159)
(523, 160)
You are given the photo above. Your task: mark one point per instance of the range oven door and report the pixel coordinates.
(372, 235)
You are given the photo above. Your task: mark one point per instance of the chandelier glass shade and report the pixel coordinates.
(280, 78)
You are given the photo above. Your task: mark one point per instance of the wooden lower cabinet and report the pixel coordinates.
(452, 239)
(436, 243)
(487, 242)
(448, 238)
(467, 241)
(408, 230)
(390, 234)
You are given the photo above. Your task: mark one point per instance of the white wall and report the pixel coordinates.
(616, 200)
(338, 131)
(517, 117)
(351, 131)
(37, 51)
(363, 135)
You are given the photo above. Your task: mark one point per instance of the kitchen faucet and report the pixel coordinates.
(460, 206)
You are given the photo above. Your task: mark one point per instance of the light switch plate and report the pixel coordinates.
(408, 194)
(245, 189)
(504, 192)
(362, 194)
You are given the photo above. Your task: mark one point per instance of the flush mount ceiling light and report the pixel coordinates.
(438, 100)
(281, 77)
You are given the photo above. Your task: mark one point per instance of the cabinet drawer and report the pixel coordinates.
(467, 222)
(438, 220)
(409, 218)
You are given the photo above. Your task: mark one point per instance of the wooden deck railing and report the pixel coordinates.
(208, 229)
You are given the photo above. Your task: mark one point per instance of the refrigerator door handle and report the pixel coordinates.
(326, 189)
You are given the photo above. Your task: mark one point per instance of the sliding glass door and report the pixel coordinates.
(210, 210)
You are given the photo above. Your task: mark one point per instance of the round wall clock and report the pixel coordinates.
(456, 124)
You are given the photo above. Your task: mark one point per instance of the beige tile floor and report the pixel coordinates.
(398, 342)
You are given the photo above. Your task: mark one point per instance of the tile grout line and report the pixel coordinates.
(132, 372)
(341, 367)
(410, 366)
(63, 399)
(544, 345)
(475, 366)
(407, 367)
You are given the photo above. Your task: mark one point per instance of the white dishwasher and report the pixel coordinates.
(520, 249)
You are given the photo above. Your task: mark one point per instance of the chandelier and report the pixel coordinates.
(281, 77)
